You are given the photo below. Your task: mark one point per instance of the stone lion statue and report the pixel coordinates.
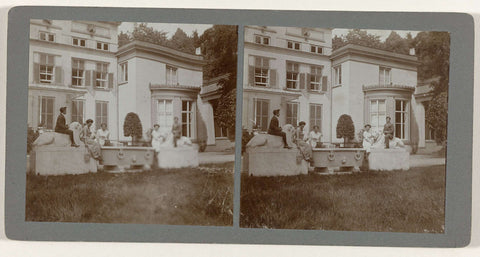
(271, 141)
(57, 139)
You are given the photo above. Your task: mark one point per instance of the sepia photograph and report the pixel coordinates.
(344, 129)
(131, 122)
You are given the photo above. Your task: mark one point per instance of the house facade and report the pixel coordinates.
(296, 71)
(287, 69)
(72, 64)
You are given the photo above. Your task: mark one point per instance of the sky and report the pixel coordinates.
(170, 28)
(382, 33)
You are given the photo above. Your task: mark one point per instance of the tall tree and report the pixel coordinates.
(123, 39)
(181, 41)
(395, 43)
(142, 32)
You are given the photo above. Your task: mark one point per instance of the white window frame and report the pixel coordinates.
(261, 73)
(337, 71)
(99, 119)
(316, 118)
(46, 36)
(47, 69)
(78, 116)
(78, 73)
(293, 118)
(292, 77)
(79, 42)
(316, 49)
(377, 113)
(123, 72)
(171, 75)
(293, 45)
(43, 114)
(102, 80)
(164, 116)
(262, 40)
(102, 46)
(404, 119)
(315, 82)
(188, 125)
(384, 76)
(258, 117)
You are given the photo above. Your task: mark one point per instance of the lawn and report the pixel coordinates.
(202, 196)
(401, 201)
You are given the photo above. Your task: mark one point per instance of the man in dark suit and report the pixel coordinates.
(388, 130)
(275, 129)
(62, 127)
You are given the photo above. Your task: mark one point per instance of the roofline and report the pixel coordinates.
(363, 50)
(162, 50)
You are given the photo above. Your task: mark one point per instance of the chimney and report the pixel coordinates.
(198, 51)
(412, 51)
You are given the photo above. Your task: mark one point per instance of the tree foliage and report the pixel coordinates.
(345, 128)
(357, 37)
(132, 127)
(436, 116)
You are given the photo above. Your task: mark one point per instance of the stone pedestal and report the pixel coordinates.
(389, 159)
(274, 162)
(177, 157)
(60, 160)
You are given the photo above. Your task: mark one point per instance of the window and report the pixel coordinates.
(292, 113)
(261, 71)
(165, 114)
(338, 75)
(78, 67)
(101, 75)
(316, 78)
(79, 42)
(124, 72)
(293, 45)
(47, 104)
(78, 108)
(47, 36)
(261, 114)
(378, 114)
(46, 68)
(292, 75)
(188, 118)
(101, 113)
(172, 78)
(262, 40)
(384, 77)
(315, 116)
(102, 46)
(401, 119)
(316, 49)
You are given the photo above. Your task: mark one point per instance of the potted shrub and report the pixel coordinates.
(346, 130)
(132, 127)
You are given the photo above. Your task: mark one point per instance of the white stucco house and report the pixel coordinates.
(296, 71)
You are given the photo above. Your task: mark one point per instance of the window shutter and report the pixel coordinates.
(88, 78)
(58, 75)
(36, 72)
(110, 80)
(273, 78)
(251, 75)
(324, 83)
(94, 78)
(302, 80)
(309, 78)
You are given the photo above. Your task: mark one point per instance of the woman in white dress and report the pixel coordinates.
(157, 137)
(368, 138)
(103, 135)
(315, 137)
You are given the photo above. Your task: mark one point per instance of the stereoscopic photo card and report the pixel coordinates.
(239, 126)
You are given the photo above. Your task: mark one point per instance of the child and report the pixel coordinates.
(176, 131)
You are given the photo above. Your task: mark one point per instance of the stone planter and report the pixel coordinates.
(338, 158)
(123, 157)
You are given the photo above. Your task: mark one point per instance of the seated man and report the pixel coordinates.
(275, 129)
(62, 127)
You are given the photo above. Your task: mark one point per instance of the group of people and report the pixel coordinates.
(93, 139)
(159, 137)
(370, 138)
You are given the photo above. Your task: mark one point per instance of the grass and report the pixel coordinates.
(202, 196)
(401, 201)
